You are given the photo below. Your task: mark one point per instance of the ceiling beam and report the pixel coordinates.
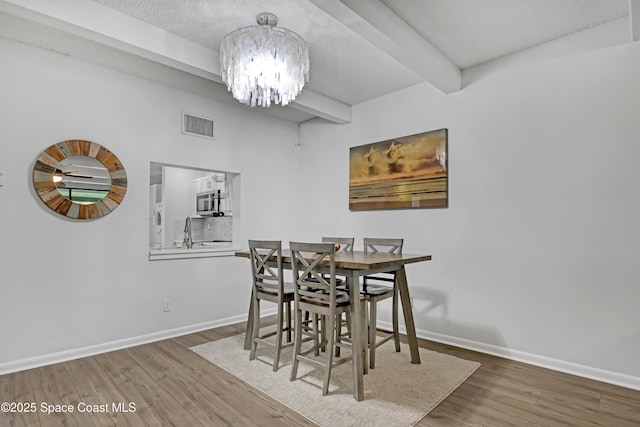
(634, 18)
(375, 22)
(328, 108)
(94, 22)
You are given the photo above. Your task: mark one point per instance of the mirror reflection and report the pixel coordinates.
(82, 179)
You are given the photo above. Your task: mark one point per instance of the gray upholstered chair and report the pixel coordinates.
(320, 297)
(269, 285)
(379, 287)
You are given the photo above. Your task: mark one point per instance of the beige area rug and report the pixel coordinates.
(397, 392)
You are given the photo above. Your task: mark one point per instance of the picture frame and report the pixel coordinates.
(400, 173)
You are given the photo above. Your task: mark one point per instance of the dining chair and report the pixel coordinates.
(319, 297)
(269, 285)
(376, 288)
(346, 245)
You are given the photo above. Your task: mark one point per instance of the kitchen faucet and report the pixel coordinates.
(188, 240)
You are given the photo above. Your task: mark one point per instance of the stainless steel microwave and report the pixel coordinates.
(210, 203)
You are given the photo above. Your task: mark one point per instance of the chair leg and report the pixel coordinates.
(279, 332)
(306, 317)
(395, 314)
(372, 332)
(365, 322)
(256, 328)
(338, 333)
(289, 328)
(347, 324)
(297, 344)
(323, 333)
(330, 334)
(316, 334)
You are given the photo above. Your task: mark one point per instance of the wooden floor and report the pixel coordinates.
(168, 385)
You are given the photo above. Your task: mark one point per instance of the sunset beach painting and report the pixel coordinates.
(400, 173)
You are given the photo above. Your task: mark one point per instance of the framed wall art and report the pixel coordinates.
(400, 173)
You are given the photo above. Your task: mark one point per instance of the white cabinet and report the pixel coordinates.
(207, 183)
(211, 183)
(201, 185)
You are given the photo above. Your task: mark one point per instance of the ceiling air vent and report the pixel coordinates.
(198, 126)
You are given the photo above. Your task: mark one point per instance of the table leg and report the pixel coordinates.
(403, 288)
(358, 335)
(247, 335)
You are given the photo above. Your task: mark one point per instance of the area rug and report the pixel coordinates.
(396, 393)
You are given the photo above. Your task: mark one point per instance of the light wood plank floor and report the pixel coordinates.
(172, 386)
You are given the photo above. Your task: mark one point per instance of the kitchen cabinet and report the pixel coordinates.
(206, 183)
(210, 183)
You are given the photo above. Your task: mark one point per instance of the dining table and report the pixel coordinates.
(352, 265)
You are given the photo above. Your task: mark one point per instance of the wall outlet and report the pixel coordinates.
(166, 305)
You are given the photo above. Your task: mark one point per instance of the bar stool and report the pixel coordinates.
(375, 291)
(346, 245)
(320, 297)
(269, 285)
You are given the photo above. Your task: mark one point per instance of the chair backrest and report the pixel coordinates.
(312, 288)
(393, 246)
(265, 277)
(346, 243)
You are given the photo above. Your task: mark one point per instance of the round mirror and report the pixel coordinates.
(80, 179)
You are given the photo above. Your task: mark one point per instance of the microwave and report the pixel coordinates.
(210, 203)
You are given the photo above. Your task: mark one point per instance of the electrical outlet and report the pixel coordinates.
(166, 305)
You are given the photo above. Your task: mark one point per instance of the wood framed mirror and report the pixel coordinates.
(80, 179)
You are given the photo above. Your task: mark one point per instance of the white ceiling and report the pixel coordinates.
(359, 49)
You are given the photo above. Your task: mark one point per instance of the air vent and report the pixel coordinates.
(197, 126)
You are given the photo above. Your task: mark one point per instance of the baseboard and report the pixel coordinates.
(610, 377)
(64, 356)
(602, 375)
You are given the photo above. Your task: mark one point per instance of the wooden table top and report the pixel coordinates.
(360, 260)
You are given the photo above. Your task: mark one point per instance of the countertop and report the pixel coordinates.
(198, 250)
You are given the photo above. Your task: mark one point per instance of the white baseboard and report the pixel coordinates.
(602, 375)
(610, 377)
(63, 356)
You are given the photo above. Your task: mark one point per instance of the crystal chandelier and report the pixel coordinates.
(263, 63)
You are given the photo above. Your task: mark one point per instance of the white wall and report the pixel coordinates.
(69, 287)
(536, 256)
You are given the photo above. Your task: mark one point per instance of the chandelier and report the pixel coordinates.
(263, 63)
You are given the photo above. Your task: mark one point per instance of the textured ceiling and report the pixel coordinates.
(335, 50)
(359, 49)
(467, 32)
(472, 32)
